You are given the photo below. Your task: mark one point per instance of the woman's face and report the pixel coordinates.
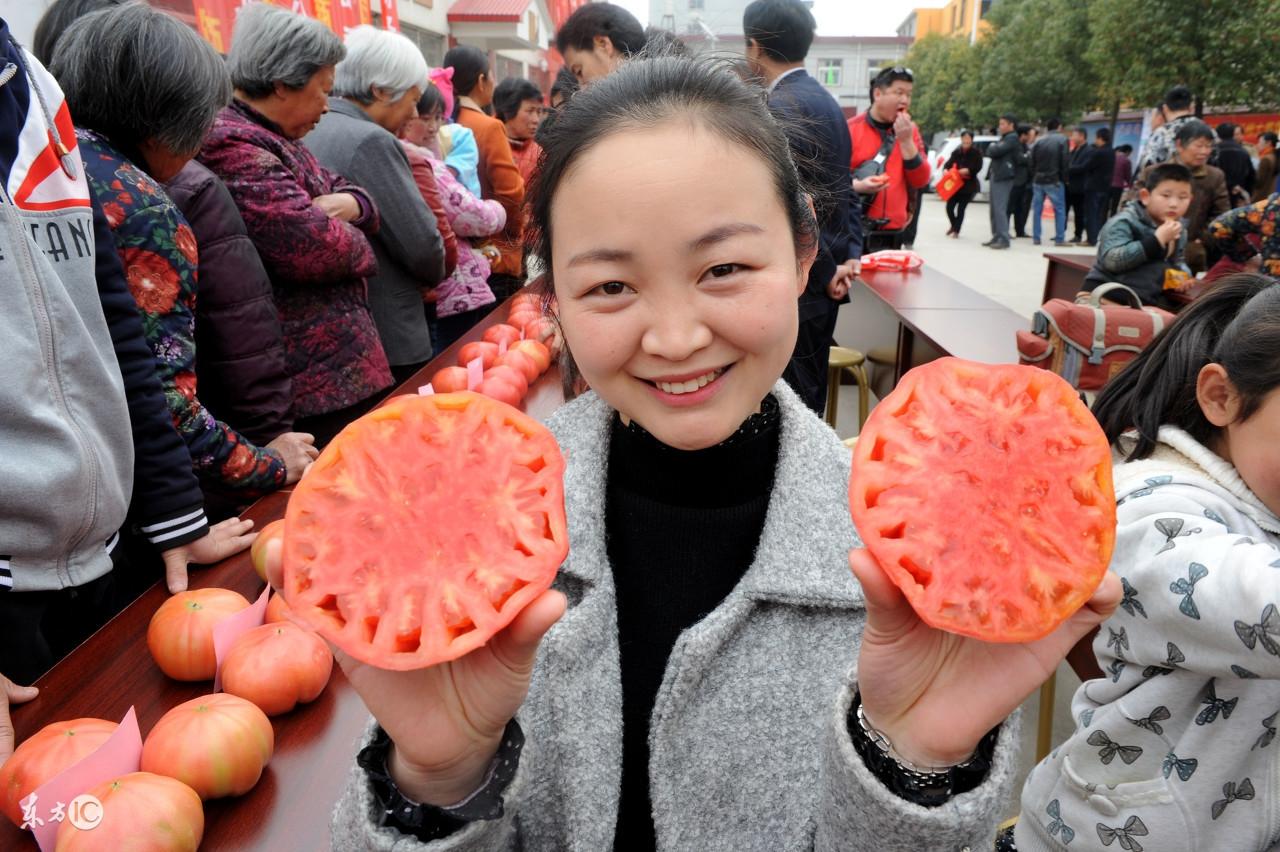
(966, 142)
(297, 111)
(677, 293)
(422, 129)
(524, 124)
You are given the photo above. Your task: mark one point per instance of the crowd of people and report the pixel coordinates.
(219, 262)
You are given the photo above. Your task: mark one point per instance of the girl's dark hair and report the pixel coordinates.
(54, 22)
(1235, 324)
(431, 100)
(468, 64)
(645, 94)
(510, 94)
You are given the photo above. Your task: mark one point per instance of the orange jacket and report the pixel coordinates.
(501, 181)
(891, 202)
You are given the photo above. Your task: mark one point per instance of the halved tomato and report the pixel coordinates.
(985, 493)
(424, 528)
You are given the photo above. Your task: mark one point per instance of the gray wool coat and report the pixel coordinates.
(748, 738)
(408, 245)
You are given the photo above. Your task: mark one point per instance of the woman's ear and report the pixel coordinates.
(811, 252)
(604, 44)
(1217, 396)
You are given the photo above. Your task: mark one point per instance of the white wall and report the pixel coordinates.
(21, 16)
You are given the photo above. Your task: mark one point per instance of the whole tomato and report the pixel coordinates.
(502, 332)
(277, 666)
(216, 744)
(546, 332)
(526, 300)
(484, 350)
(521, 361)
(510, 375)
(45, 754)
(535, 350)
(140, 811)
(519, 318)
(258, 551)
(501, 390)
(449, 379)
(277, 610)
(180, 636)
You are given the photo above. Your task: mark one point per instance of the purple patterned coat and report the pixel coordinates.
(317, 264)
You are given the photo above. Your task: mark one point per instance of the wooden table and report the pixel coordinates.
(1065, 275)
(290, 807)
(938, 316)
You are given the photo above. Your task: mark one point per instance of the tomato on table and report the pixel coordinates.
(484, 350)
(501, 333)
(424, 528)
(44, 755)
(180, 635)
(216, 744)
(140, 811)
(449, 379)
(985, 493)
(277, 666)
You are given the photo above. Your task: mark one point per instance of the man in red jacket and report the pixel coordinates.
(886, 134)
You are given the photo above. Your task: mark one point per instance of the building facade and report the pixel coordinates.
(957, 17)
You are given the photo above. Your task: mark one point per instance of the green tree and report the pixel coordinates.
(1222, 49)
(1032, 62)
(941, 65)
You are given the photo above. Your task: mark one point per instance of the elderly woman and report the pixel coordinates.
(307, 223)
(375, 91)
(144, 90)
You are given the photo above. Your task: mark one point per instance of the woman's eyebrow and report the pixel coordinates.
(710, 238)
(722, 233)
(600, 255)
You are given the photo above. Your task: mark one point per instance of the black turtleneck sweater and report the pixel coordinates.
(682, 530)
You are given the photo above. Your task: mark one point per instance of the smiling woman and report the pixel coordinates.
(716, 670)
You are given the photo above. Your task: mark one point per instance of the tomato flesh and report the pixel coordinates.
(424, 528)
(985, 493)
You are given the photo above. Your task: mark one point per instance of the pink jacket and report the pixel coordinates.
(473, 220)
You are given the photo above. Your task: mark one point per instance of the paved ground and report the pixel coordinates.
(1014, 278)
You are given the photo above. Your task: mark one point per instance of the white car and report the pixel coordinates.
(939, 157)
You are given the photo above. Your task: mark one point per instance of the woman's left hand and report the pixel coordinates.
(935, 694)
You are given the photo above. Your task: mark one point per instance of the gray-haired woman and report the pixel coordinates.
(144, 90)
(376, 90)
(308, 223)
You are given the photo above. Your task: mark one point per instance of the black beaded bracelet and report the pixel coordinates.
(926, 786)
(428, 822)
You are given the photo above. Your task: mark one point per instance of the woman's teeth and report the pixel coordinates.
(691, 385)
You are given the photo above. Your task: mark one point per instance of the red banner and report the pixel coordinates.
(215, 19)
(390, 16)
(1253, 123)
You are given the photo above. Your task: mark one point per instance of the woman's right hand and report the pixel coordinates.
(446, 722)
(339, 205)
(298, 451)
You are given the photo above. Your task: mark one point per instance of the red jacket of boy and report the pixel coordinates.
(891, 202)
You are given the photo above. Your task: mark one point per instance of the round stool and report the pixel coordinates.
(839, 361)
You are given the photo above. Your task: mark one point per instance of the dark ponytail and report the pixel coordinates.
(468, 64)
(1235, 324)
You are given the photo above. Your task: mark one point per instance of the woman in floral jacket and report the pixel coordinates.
(463, 297)
(308, 224)
(127, 110)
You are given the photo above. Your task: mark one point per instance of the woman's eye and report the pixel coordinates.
(723, 269)
(612, 288)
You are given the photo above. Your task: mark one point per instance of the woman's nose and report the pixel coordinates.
(675, 333)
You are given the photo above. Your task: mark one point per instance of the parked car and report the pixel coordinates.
(940, 155)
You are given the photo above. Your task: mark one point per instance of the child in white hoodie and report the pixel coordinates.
(1175, 745)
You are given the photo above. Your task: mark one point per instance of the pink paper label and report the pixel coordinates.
(229, 629)
(475, 373)
(502, 347)
(426, 390)
(61, 798)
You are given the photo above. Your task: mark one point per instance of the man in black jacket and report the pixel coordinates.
(1099, 165)
(1002, 171)
(1049, 159)
(1020, 199)
(1075, 183)
(779, 33)
(1236, 164)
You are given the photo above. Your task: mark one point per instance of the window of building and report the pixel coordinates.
(831, 72)
(875, 66)
(697, 5)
